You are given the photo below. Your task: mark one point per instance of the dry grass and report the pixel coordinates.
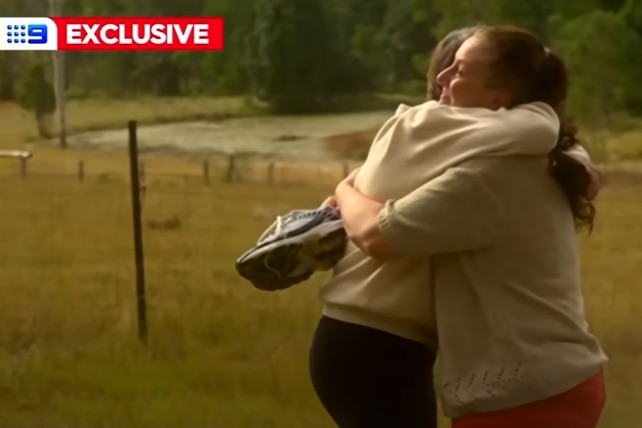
(18, 126)
(627, 145)
(221, 354)
(159, 167)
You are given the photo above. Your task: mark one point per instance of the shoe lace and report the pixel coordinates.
(277, 227)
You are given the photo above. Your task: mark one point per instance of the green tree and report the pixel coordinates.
(533, 15)
(300, 54)
(294, 55)
(407, 36)
(463, 13)
(37, 95)
(602, 54)
(226, 72)
(7, 77)
(632, 13)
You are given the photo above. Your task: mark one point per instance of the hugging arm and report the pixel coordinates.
(453, 212)
(461, 133)
(580, 154)
(360, 220)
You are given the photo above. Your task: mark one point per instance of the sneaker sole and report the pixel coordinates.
(276, 262)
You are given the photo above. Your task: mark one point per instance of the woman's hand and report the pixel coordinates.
(330, 201)
(580, 154)
(346, 183)
(352, 177)
(595, 183)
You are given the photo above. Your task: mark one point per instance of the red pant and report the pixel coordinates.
(579, 407)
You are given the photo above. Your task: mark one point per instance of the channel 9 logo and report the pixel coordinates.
(27, 34)
(33, 34)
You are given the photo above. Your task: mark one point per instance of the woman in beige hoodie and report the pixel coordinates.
(437, 187)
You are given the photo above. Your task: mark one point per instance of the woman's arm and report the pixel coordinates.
(528, 129)
(454, 212)
(360, 216)
(580, 154)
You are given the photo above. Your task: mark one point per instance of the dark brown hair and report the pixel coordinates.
(532, 73)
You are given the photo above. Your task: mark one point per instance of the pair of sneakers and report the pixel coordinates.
(293, 248)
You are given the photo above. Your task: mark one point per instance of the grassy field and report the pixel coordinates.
(19, 126)
(220, 354)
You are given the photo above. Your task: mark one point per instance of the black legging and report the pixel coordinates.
(367, 378)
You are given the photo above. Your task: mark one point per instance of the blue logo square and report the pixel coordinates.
(30, 34)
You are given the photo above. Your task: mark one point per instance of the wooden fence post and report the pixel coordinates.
(232, 174)
(23, 167)
(81, 171)
(270, 174)
(134, 176)
(206, 172)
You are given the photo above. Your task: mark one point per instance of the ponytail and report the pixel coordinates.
(572, 176)
(535, 73)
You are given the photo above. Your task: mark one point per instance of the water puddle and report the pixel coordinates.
(284, 136)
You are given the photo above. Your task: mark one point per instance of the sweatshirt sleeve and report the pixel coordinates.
(527, 129)
(580, 154)
(454, 212)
